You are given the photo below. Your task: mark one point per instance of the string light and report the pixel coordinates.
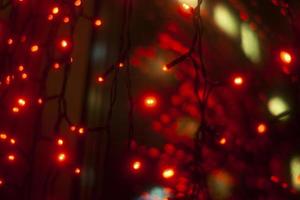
(261, 128)
(150, 101)
(24, 75)
(100, 79)
(136, 165)
(66, 20)
(64, 43)
(56, 65)
(40, 101)
(10, 41)
(285, 57)
(1, 182)
(55, 10)
(81, 131)
(165, 68)
(61, 157)
(121, 64)
(97, 22)
(60, 142)
(3, 136)
(15, 109)
(238, 80)
(34, 48)
(168, 173)
(73, 128)
(222, 141)
(77, 170)
(77, 3)
(21, 68)
(21, 102)
(12, 141)
(11, 157)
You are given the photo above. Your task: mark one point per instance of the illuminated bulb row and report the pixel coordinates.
(80, 130)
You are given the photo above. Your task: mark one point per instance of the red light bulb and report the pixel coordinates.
(55, 10)
(136, 165)
(61, 157)
(222, 141)
(3, 136)
(97, 22)
(150, 101)
(77, 170)
(21, 102)
(285, 57)
(100, 79)
(11, 157)
(64, 44)
(168, 173)
(34, 48)
(60, 142)
(238, 80)
(261, 128)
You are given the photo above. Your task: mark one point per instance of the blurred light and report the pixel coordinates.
(40, 100)
(56, 65)
(34, 48)
(3, 136)
(168, 173)
(261, 128)
(81, 131)
(277, 106)
(156, 193)
(186, 6)
(250, 43)
(77, 170)
(24, 76)
(121, 64)
(55, 10)
(15, 109)
(72, 128)
(220, 184)
(150, 101)
(61, 157)
(10, 41)
(11, 157)
(1, 182)
(77, 3)
(97, 22)
(66, 19)
(136, 165)
(21, 102)
(295, 172)
(274, 179)
(21, 68)
(60, 142)
(64, 44)
(12, 141)
(238, 80)
(165, 68)
(189, 3)
(223, 141)
(285, 57)
(50, 17)
(226, 20)
(100, 79)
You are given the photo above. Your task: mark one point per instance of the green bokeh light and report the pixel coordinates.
(250, 43)
(277, 106)
(226, 20)
(295, 172)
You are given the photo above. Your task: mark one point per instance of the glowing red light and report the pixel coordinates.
(81, 131)
(21, 68)
(223, 141)
(73, 128)
(61, 157)
(21, 102)
(10, 41)
(3, 136)
(55, 10)
(56, 65)
(97, 22)
(77, 3)
(34, 48)
(150, 101)
(64, 44)
(12, 141)
(100, 79)
(136, 165)
(274, 179)
(168, 173)
(261, 128)
(60, 142)
(285, 57)
(121, 65)
(15, 109)
(24, 76)
(40, 101)
(238, 80)
(77, 170)
(11, 157)
(1, 181)
(66, 19)
(165, 68)
(50, 17)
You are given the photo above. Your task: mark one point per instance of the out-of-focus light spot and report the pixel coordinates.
(238, 80)
(64, 43)
(121, 64)
(1, 182)
(24, 76)
(97, 22)
(21, 68)
(100, 79)
(156, 193)
(50, 17)
(220, 184)
(274, 179)
(3, 136)
(15, 109)
(66, 19)
(40, 101)
(56, 65)
(34, 48)
(186, 6)
(81, 130)
(12, 141)
(277, 106)
(77, 170)
(226, 20)
(150, 101)
(77, 3)
(21, 102)
(223, 141)
(189, 3)
(10, 41)
(165, 68)
(60, 142)
(250, 43)
(168, 173)
(261, 128)
(136, 165)
(295, 172)
(285, 57)
(61, 157)
(11, 157)
(55, 10)
(73, 128)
